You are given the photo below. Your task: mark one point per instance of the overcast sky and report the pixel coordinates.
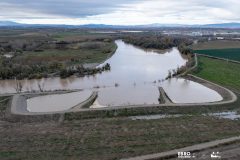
(120, 12)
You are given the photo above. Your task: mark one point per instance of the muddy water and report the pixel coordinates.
(134, 69)
(58, 102)
(185, 91)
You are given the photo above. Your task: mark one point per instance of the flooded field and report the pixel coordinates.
(57, 102)
(135, 72)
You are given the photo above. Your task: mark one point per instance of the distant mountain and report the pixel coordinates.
(9, 23)
(223, 25)
(14, 24)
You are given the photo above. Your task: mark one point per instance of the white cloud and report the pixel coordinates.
(124, 12)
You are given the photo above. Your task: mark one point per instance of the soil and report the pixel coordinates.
(109, 138)
(220, 44)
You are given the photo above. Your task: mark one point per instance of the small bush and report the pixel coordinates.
(38, 76)
(96, 86)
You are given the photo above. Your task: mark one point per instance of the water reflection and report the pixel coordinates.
(129, 65)
(185, 91)
(58, 102)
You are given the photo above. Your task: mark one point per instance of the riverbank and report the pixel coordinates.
(61, 59)
(116, 135)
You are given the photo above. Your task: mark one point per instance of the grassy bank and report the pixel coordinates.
(218, 71)
(4, 100)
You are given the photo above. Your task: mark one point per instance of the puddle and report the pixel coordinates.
(57, 102)
(154, 117)
(8, 55)
(228, 115)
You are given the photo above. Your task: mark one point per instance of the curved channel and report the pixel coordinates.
(133, 79)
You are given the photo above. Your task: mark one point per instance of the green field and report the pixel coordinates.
(59, 39)
(41, 35)
(80, 34)
(218, 71)
(13, 34)
(47, 54)
(233, 53)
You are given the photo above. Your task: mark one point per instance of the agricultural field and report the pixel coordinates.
(218, 44)
(78, 53)
(80, 34)
(222, 72)
(29, 38)
(84, 37)
(110, 138)
(10, 34)
(232, 54)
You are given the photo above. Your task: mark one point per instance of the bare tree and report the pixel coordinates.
(169, 74)
(27, 88)
(18, 87)
(41, 87)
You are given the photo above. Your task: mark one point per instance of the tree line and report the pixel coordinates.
(161, 42)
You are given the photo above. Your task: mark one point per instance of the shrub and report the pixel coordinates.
(18, 50)
(30, 76)
(38, 76)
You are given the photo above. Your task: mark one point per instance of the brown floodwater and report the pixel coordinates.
(185, 91)
(135, 70)
(57, 102)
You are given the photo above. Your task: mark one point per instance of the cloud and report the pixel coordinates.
(64, 8)
(128, 12)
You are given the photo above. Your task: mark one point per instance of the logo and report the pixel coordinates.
(185, 155)
(215, 155)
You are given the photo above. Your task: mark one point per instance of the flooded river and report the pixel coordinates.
(134, 70)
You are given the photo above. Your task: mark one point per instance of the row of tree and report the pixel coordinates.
(11, 70)
(19, 44)
(161, 42)
(81, 71)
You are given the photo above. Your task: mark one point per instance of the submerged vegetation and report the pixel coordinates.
(36, 60)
